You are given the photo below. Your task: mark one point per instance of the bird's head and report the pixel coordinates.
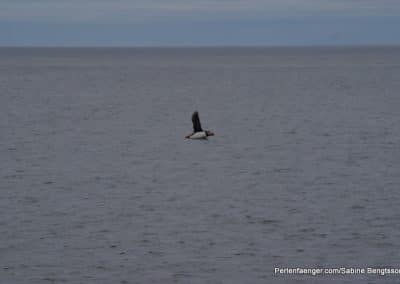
(209, 133)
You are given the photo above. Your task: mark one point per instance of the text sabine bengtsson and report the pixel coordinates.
(336, 271)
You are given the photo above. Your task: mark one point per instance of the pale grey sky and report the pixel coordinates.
(200, 22)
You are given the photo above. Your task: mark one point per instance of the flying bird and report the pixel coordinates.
(198, 132)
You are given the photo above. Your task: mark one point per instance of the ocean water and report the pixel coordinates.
(98, 184)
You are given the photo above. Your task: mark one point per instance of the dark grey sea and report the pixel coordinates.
(98, 184)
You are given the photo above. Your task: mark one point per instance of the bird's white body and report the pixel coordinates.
(198, 135)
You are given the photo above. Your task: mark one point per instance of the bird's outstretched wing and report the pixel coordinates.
(196, 122)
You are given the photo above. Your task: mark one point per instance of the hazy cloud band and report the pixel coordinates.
(124, 10)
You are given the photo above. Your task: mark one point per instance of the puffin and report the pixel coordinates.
(198, 132)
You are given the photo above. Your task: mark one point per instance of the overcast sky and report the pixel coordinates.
(198, 22)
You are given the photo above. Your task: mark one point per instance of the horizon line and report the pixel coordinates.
(209, 46)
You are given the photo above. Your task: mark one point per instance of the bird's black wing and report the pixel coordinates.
(196, 122)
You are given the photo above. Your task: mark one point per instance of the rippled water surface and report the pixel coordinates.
(98, 185)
